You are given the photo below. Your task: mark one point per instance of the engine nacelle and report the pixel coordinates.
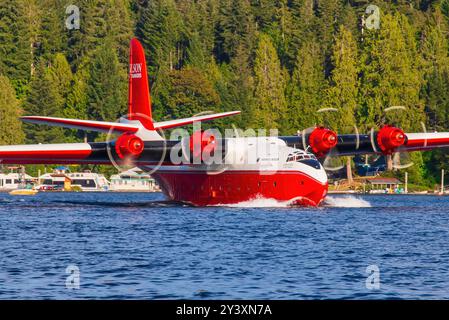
(390, 138)
(322, 140)
(202, 142)
(129, 145)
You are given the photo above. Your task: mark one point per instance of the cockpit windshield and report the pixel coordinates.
(298, 156)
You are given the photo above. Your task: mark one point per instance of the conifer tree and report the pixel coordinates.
(188, 92)
(200, 18)
(306, 90)
(196, 56)
(10, 125)
(43, 100)
(303, 21)
(236, 28)
(343, 91)
(77, 99)
(435, 50)
(106, 85)
(330, 14)
(51, 36)
(391, 75)
(161, 30)
(269, 86)
(100, 21)
(60, 74)
(15, 46)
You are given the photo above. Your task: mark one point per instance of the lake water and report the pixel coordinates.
(137, 246)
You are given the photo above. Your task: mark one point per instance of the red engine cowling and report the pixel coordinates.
(129, 145)
(202, 142)
(321, 140)
(390, 138)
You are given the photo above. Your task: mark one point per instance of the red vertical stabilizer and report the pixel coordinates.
(139, 101)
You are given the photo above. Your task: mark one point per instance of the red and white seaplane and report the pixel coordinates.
(286, 170)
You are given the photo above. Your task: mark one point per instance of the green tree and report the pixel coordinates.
(391, 75)
(302, 28)
(10, 125)
(60, 74)
(43, 100)
(234, 84)
(160, 28)
(196, 55)
(435, 51)
(269, 86)
(265, 12)
(306, 89)
(51, 36)
(236, 29)
(106, 85)
(188, 92)
(15, 35)
(281, 29)
(101, 21)
(342, 93)
(330, 14)
(77, 99)
(200, 18)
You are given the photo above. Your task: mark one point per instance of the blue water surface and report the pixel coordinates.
(137, 246)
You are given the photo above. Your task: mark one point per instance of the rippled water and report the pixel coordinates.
(138, 246)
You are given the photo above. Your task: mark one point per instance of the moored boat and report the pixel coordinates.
(23, 192)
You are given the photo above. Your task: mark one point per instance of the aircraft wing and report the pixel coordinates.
(152, 153)
(348, 145)
(426, 141)
(386, 140)
(63, 153)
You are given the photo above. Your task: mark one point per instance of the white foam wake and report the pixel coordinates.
(261, 203)
(330, 201)
(346, 202)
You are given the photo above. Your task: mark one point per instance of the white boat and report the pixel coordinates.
(133, 180)
(11, 181)
(86, 181)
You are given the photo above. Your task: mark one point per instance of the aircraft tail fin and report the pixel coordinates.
(139, 100)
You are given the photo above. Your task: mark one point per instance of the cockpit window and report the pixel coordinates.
(296, 156)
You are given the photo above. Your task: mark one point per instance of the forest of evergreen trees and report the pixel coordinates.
(279, 61)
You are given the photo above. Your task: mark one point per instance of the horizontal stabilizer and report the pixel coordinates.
(182, 122)
(100, 126)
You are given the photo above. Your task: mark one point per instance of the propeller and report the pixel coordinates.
(125, 150)
(203, 145)
(323, 141)
(400, 158)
